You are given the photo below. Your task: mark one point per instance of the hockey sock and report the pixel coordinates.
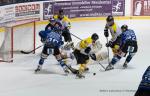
(61, 62)
(41, 61)
(82, 67)
(128, 59)
(115, 59)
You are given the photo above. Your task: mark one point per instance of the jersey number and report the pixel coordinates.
(53, 40)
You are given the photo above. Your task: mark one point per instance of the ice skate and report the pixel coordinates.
(74, 71)
(80, 75)
(38, 69)
(125, 65)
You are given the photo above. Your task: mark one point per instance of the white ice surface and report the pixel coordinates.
(18, 78)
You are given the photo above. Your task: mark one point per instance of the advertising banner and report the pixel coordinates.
(20, 11)
(47, 10)
(141, 8)
(86, 8)
(118, 7)
(27, 10)
(7, 13)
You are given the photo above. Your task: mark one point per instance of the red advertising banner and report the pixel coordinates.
(141, 8)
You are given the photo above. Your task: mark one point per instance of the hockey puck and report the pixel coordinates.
(94, 73)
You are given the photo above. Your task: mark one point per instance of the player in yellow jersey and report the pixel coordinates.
(115, 32)
(82, 53)
(66, 23)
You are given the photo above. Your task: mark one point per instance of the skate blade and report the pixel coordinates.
(80, 77)
(36, 72)
(66, 74)
(125, 67)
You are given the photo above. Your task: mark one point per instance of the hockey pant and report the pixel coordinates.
(81, 58)
(67, 35)
(47, 51)
(115, 45)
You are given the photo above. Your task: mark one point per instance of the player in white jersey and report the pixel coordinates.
(115, 31)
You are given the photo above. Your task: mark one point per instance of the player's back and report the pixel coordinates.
(84, 43)
(128, 35)
(54, 38)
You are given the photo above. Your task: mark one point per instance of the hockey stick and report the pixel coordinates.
(75, 36)
(107, 49)
(28, 52)
(102, 66)
(74, 71)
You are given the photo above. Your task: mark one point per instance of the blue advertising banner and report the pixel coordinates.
(118, 7)
(48, 10)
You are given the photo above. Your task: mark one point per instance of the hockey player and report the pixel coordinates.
(50, 25)
(115, 31)
(65, 21)
(128, 45)
(83, 51)
(52, 42)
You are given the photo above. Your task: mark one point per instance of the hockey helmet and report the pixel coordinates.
(61, 12)
(58, 27)
(52, 20)
(124, 28)
(95, 37)
(110, 20)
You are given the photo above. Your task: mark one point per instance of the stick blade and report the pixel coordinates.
(24, 52)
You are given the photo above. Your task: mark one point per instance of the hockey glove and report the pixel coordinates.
(106, 34)
(93, 57)
(87, 50)
(109, 44)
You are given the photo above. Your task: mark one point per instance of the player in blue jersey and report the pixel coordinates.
(52, 42)
(128, 44)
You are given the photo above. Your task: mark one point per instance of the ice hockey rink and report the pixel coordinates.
(18, 78)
